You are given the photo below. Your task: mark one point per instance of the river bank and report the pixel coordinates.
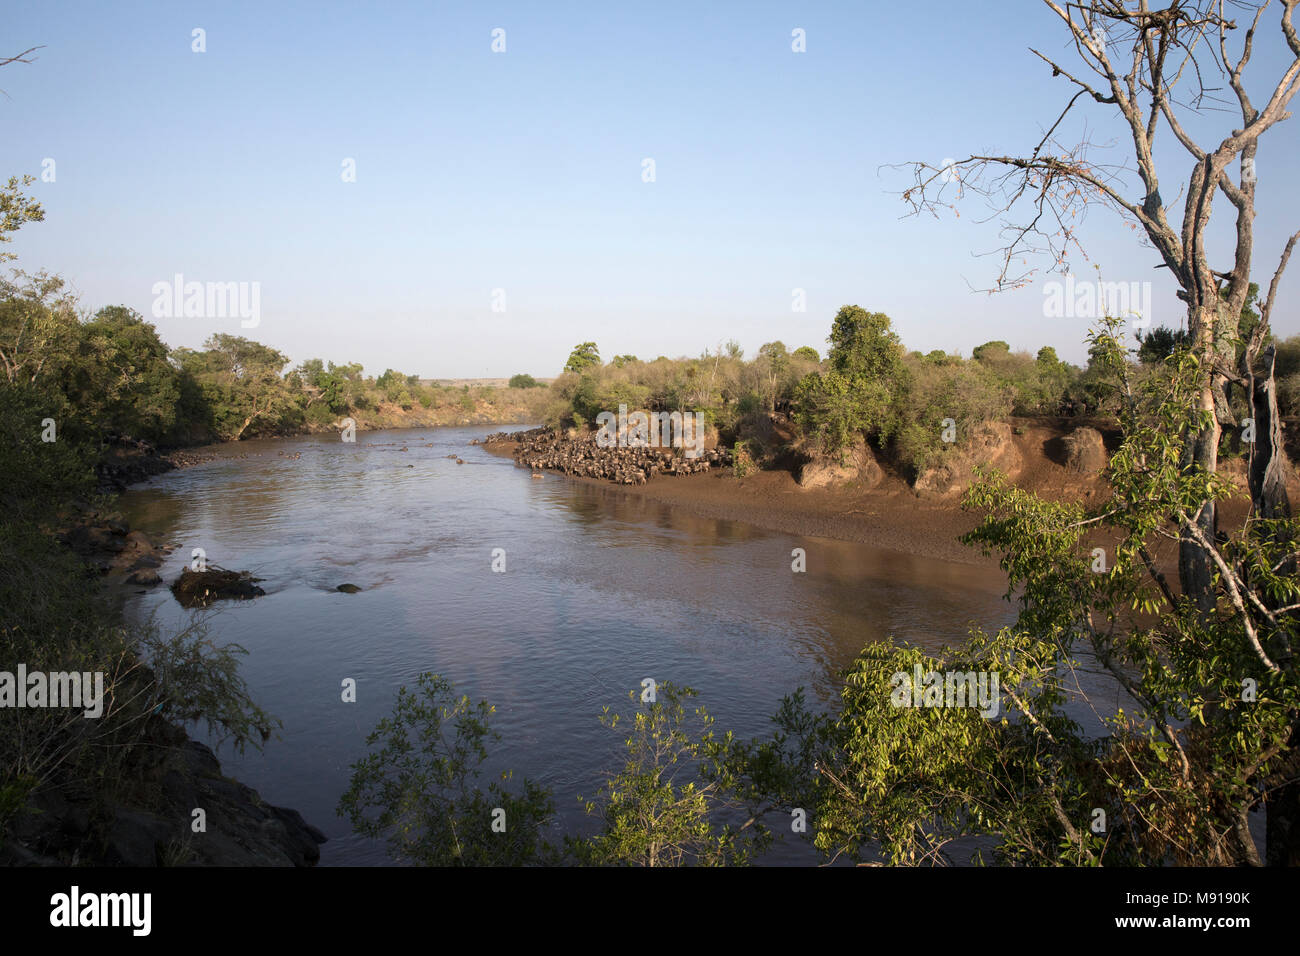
(126, 461)
(601, 589)
(873, 504)
(173, 805)
(870, 504)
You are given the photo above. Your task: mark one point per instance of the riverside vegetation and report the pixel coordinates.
(1174, 773)
(1199, 744)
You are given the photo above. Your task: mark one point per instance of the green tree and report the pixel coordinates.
(990, 351)
(15, 210)
(125, 376)
(523, 381)
(241, 382)
(1205, 710)
(418, 789)
(324, 386)
(854, 396)
(929, 392)
(1158, 344)
(774, 365)
(582, 357)
(668, 804)
(393, 385)
(40, 332)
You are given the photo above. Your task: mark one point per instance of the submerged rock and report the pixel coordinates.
(201, 588)
(348, 588)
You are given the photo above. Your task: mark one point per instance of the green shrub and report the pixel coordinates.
(418, 786)
(319, 415)
(965, 392)
(742, 461)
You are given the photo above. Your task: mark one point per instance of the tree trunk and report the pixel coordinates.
(1267, 455)
(1269, 499)
(1195, 568)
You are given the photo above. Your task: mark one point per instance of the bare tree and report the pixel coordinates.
(1167, 66)
(24, 57)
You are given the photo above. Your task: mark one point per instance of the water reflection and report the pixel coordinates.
(602, 589)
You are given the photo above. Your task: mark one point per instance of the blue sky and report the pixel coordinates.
(522, 171)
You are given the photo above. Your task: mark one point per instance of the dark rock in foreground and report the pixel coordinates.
(201, 588)
(236, 827)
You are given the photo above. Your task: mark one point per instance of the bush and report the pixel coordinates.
(319, 415)
(418, 789)
(1287, 372)
(743, 462)
(855, 396)
(669, 803)
(968, 393)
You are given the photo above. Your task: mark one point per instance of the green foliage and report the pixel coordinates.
(241, 383)
(327, 387)
(742, 461)
(396, 388)
(807, 353)
(929, 392)
(1035, 386)
(1287, 372)
(1205, 701)
(864, 345)
(525, 381)
(418, 789)
(37, 477)
(123, 378)
(679, 798)
(51, 621)
(938, 357)
(835, 409)
(198, 680)
(582, 357)
(39, 329)
(855, 396)
(16, 209)
(1160, 343)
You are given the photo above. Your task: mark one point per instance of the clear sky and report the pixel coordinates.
(522, 171)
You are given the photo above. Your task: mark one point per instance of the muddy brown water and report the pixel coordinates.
(601, 590)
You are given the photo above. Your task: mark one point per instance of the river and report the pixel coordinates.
(601, 590)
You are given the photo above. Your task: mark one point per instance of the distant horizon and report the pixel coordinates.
(409, 190)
